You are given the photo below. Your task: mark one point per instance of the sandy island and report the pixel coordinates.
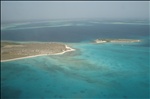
(14, 51)
(116, 40)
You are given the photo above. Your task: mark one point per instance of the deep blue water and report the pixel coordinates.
(106, 71)
(73, 32)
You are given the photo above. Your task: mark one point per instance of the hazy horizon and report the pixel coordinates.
(50, 10)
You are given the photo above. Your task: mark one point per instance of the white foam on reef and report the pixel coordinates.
(12, 25)
(15, 28)
(60, 23)
(120, 22)
(128, 23)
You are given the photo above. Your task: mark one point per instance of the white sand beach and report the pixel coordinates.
(67, 47)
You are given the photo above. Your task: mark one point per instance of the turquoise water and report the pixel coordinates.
(92, 71)
(106, 71)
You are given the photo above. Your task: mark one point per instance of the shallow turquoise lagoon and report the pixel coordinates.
(103, 71)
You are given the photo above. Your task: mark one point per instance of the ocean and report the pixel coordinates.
(106, 71)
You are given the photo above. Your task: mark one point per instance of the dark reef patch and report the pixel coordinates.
(8, 92)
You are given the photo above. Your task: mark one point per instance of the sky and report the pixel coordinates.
(46, 10)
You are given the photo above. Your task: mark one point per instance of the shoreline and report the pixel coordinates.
(69, 49)
(116, 41)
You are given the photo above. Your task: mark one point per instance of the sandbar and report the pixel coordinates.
(108, 40)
